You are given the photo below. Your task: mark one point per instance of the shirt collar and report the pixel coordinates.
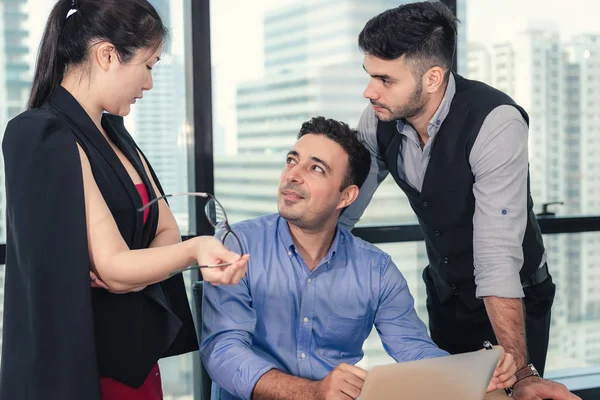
(285, 236)
(441, 113)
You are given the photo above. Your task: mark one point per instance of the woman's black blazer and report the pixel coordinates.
(59, 334)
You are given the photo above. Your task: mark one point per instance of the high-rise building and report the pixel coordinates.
(478, 63)
(16, 80)
(556, 84)
(503, 68)
(531, 69)
(3, 98)
(14, 84)
(311, 68)
(160, 132)
(583, 188)
(16, 51)
(222, 144)
(462, 63)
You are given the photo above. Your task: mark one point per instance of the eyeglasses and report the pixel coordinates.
(216, 216)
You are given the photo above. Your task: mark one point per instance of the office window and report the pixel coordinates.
(294, 61)
(555, 52)
(575, 313)
(15, 81)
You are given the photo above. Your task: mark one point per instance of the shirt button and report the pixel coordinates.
(289, 253)
(309, 280)
(305, 320)
(303, 355)
(446, 261)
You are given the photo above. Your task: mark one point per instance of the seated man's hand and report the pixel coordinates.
(535, 388)
(343, 383)
(504, 375)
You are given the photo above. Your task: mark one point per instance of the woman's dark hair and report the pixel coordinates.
(359, 159)
(424, 32)
(130, 25)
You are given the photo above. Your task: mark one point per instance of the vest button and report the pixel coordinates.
(424, 204)
(437, 233)
(446, 261)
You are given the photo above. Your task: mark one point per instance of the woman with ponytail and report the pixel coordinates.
(93, 293)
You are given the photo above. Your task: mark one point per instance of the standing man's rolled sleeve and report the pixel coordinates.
(499, 163)
(228, 323)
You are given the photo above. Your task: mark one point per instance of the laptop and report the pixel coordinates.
(457, 377)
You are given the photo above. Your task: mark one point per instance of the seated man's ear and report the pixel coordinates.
(349, 194)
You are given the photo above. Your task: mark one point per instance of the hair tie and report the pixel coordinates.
(73, 9)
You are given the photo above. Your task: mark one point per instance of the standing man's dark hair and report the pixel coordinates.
(424, 33)
(458, 149)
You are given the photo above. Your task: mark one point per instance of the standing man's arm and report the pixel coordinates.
(367, 129)
(499, 163)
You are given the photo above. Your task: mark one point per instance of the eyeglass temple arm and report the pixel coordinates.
(197, 194)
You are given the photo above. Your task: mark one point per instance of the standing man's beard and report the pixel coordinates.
(413, 107)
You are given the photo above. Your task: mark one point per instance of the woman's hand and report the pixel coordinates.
(504, 375)
(210, 251)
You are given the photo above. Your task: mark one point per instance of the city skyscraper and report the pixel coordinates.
(555, 83)
(3, 98)
(16, 51)
(583, 189)
(15, 85)
(531, 70)
(160, 132)
(310, 68)
(461, 40)
(16, 81)
(478, 62)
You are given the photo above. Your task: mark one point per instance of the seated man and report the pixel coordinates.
(294, 326)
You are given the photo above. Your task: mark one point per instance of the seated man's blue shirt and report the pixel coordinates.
(281, 315)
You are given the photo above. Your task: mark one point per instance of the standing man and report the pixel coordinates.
(458, 150)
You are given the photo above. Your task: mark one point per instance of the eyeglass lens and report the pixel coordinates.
(214, 213)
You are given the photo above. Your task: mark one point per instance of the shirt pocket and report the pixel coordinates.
(344, 336)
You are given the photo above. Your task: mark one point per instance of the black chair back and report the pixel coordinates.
(205, 381)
